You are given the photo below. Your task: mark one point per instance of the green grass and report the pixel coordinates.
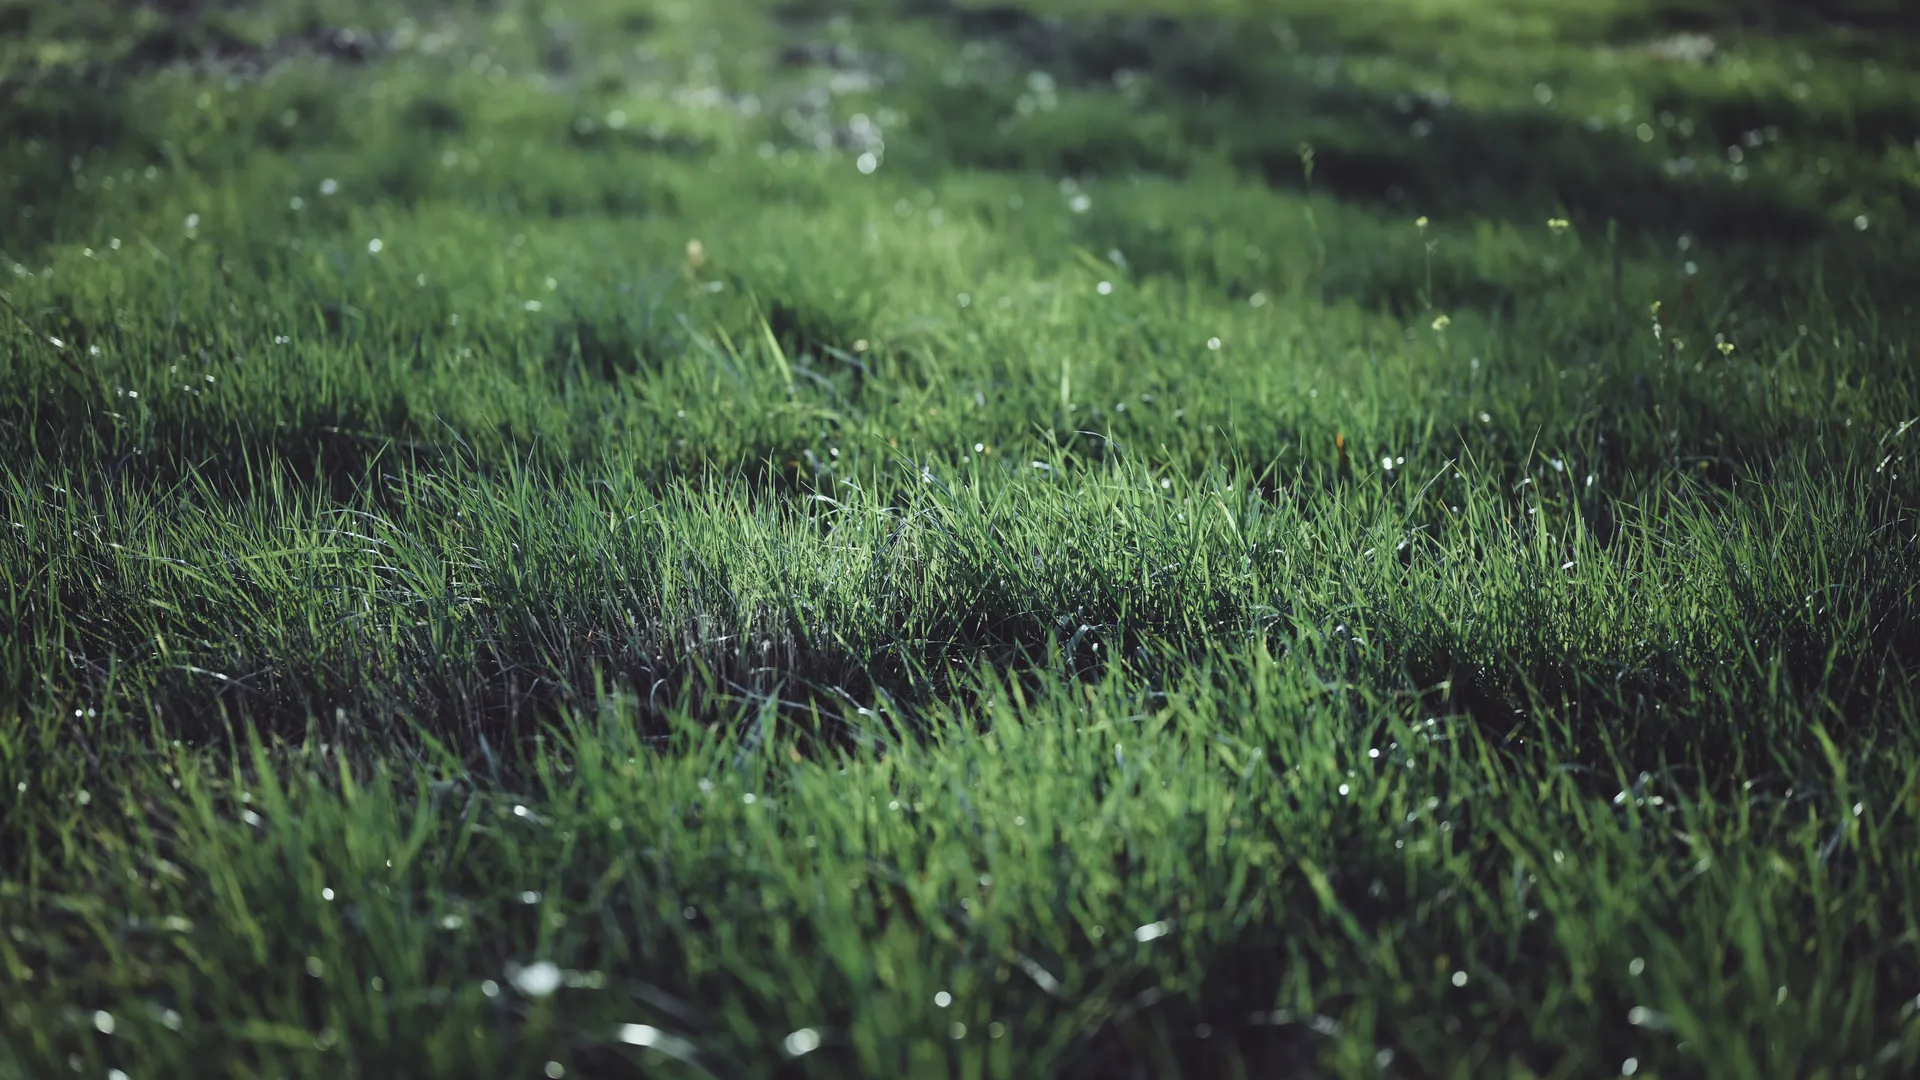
(1168, 567)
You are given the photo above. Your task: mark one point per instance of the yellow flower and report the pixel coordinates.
(1420, 223)
(1558, 225)
(1441, 323)
(1726, 348)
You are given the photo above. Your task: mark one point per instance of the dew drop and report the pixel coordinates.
(803, 1041)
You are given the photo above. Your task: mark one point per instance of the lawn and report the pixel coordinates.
(898, 538)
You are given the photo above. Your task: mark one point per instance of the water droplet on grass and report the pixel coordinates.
(803, 1041)
(536, 980)
(639, 1034)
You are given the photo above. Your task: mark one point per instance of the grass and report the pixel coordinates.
(909, 539)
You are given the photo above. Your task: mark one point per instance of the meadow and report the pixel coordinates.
(901, 538)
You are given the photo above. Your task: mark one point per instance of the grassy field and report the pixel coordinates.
(891, 538)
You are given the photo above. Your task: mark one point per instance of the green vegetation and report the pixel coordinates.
(899, 539)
